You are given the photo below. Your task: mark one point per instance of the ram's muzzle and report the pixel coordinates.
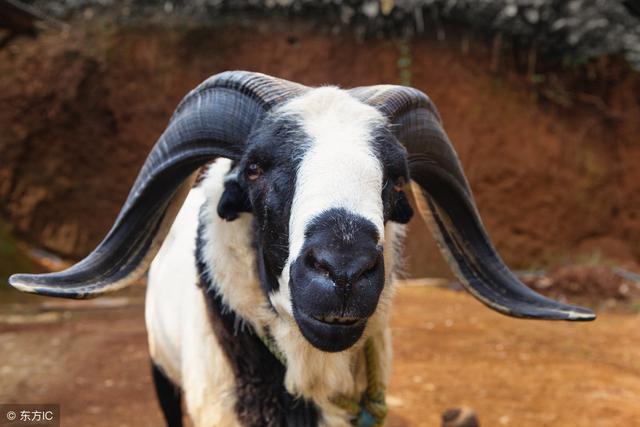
(336, 281)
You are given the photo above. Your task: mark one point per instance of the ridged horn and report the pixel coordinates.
(213, 120)
(452, 215)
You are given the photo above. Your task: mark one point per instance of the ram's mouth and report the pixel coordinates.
(330, 333)
(338, 320)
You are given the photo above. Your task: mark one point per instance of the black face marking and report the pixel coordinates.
(261, 397)
(276, 146)
(337, 279)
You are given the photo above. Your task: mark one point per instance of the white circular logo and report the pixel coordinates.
(11, 415)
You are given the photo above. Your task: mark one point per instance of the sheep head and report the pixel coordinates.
(322, 171)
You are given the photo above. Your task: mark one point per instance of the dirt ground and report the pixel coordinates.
(449, 351)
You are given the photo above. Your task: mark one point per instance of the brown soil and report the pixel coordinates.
(587, 283)
(449, 351)
(553, 180)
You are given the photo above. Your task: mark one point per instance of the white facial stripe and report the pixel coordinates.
(339, 168)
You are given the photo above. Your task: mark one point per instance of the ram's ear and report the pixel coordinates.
(234, 200)
(402, 211)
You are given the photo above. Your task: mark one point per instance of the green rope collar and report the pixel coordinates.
(371, 410)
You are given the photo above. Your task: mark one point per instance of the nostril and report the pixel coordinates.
(342, 268)
(365, 269)
(318, 266)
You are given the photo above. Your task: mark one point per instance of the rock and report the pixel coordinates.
(460, 417)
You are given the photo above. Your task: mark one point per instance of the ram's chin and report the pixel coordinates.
(329, 336)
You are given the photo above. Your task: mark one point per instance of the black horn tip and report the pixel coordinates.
(509, 296)
(50, 285)
(544, 309)
(566, 312)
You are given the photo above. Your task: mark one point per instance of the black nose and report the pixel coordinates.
(337, 279)
(340, 270)
(344, 267)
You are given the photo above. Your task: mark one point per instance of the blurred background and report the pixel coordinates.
(541, 99)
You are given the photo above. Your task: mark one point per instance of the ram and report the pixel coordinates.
(268, 302)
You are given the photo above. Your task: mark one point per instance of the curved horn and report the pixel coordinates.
(213, 120)
(455, 221)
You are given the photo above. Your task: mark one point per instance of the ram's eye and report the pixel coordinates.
(399, 184)
(254, 171)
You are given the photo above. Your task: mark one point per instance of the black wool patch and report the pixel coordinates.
(262, 399)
